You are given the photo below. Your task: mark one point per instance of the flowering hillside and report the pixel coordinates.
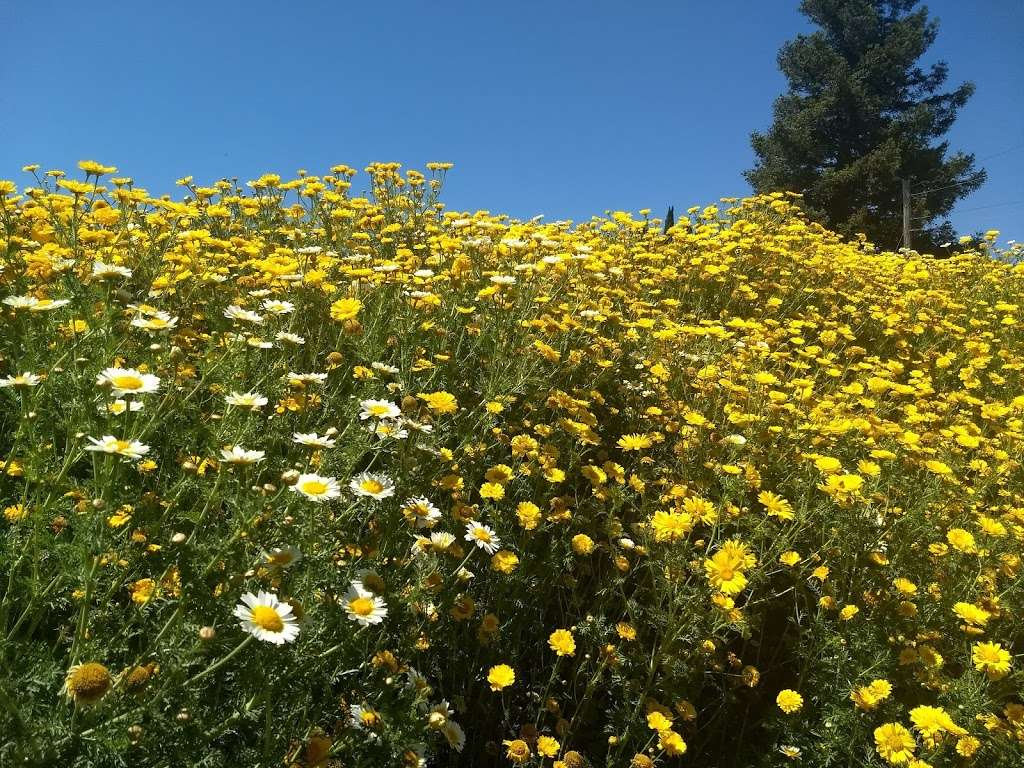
(295, 477)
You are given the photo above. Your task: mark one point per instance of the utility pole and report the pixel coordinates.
(906, 212)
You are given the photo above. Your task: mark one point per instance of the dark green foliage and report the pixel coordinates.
(861, 113)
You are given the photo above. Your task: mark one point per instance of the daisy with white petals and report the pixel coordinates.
(128, 381)
(252, 401)
(379, 409)
(235, 312)
(419, 511)
(20, 380)
(266, 618)
(364, 607)
(313, 440)
(275, 307)
(156, 321)
(374, 486)
(236, 454)
(317, 488)
(130, 449)
(483, 536)
(282, 557)
(103, 271)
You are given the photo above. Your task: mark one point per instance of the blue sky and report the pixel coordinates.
(562, 108)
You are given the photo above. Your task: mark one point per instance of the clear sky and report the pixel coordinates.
(559, 108)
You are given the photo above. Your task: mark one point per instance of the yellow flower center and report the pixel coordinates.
(127, 381)
(267, 618)
(481, 534)
(372, 486)
(122, 445)
(314, 487)
(361, 606)
(88, 682)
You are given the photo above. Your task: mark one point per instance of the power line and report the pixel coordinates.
(995, 205)
(1000, 153)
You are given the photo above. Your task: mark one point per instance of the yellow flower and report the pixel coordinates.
(634, 442)
(671, 526)
(440, 402)
(961, 540)
(528, 515)
(345, 309)
(789, 558)
(493, 491)
(15, 512)
(142, 591)
(625, 631)
(501, 676)
(894, 743)
(87, 683)
(504, 561)
(582, 544)
(992, 659)
(562, 642)
(517, 750)
(789, 701)
(776, 506)
(548, 746)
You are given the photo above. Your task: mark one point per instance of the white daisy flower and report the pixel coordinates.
(131, 449)
(365, 718)
(20, 380)
(483, 536)
(128, 381)
(370, 580)
(503, 279)
(313, 440)
(157, 321)
(364, 607)
(440, 541)
(384, 368)
(118, 407)
(259, 293)
(44, 305)
(305, 378)
(103, 271)
(251, 400)
(317, 488)
(438, 714)
(379, 409)
(236, 454)
(266, 618)
(290, 338)
(282, 557)
(417, 426)
(419, 511)
(455, 735)
(235, 312)
(258, 343)
(21, 302)
(388, 429)
(275, 307)
(376, 486)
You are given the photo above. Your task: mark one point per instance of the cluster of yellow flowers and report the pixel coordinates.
(296, 476)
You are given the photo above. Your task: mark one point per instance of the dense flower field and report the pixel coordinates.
(292, 476)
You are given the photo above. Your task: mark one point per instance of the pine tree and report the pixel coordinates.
(859, 115)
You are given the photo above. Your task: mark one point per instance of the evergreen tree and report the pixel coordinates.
(860, 114)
